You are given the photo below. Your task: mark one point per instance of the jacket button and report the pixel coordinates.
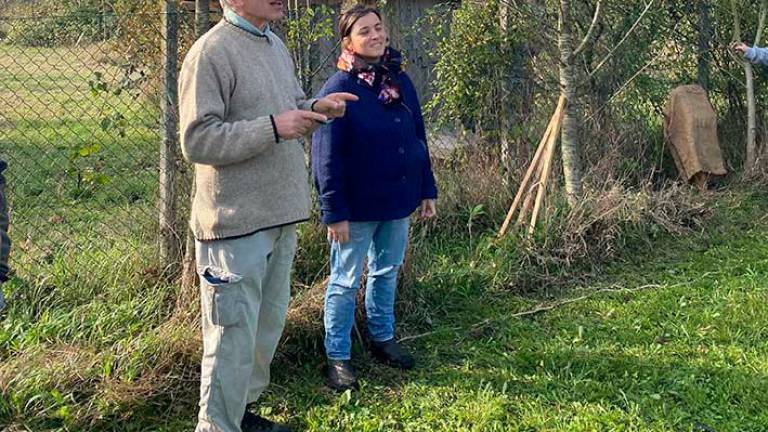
(403, 179)
(397, 120)
(401, 150)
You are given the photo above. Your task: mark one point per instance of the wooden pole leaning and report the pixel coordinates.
(526, 179)
(525, 210)
(537, 167)
(546, 169)
(528, 202)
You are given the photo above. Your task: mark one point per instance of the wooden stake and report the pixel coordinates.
(550, 152)
(526, 208)
(542, 187)
(535, 162)
(524, 183)
(528, 203)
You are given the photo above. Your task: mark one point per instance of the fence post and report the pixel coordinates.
(202, 16)
(188, 271)
(169, 242)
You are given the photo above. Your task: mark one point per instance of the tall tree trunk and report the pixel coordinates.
(751, 151)
(751, 145)
(571, 148)
(504, 94)
(751, 158)
(705, 39)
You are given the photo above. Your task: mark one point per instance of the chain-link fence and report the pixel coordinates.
(90, 146)
(82, 128)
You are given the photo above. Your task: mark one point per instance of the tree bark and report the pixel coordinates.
(751, 144)
(751, 156)
(571, 148)
(751, 150)
(705, 39)
(504, 94)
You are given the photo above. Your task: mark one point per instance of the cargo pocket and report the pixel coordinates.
(224, 294)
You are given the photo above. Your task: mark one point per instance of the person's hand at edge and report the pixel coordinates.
(338, 232)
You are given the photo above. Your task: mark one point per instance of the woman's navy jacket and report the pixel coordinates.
(372, 164)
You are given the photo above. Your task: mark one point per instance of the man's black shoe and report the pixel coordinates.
(391, 353)
(254, 423)
(341, 375)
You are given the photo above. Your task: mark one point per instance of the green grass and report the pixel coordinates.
(675, 341)
(48, 113)
(88, 342)
(689, 353)
(86, 298)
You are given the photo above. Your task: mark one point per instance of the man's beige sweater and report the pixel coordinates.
(230, 83)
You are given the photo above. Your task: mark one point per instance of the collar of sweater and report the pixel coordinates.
(246, 25)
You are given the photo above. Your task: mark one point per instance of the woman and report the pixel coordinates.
(372, 170)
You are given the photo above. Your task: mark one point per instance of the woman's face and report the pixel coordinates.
(368, 38)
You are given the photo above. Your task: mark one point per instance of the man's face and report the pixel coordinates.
(259, 10)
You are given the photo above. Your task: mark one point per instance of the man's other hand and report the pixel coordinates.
(297, 123)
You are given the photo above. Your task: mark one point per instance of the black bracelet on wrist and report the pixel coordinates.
(274, 128)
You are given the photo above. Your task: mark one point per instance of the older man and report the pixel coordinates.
(242, 111)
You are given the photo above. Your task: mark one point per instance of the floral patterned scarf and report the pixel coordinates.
(376, 76)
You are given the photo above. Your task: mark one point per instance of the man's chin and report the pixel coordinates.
(277, 16)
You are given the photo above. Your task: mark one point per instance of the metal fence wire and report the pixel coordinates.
(88, 143)
(81, 127)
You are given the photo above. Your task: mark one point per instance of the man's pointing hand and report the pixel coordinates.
(335, 104)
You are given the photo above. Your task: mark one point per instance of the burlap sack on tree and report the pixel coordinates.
(690, 128)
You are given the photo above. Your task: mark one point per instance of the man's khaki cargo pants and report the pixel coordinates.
(244, 290)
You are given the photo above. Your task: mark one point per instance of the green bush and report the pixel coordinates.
(50, 23)
(473, 55)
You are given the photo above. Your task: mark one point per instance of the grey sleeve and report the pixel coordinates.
(206, 137)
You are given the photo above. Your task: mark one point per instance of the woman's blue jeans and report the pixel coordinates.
(384, 242)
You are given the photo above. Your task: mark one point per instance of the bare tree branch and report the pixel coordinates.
(624, 86)
(761, 22)
(626, 36)
(736, 22)
(591, 30)
(546, 307)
